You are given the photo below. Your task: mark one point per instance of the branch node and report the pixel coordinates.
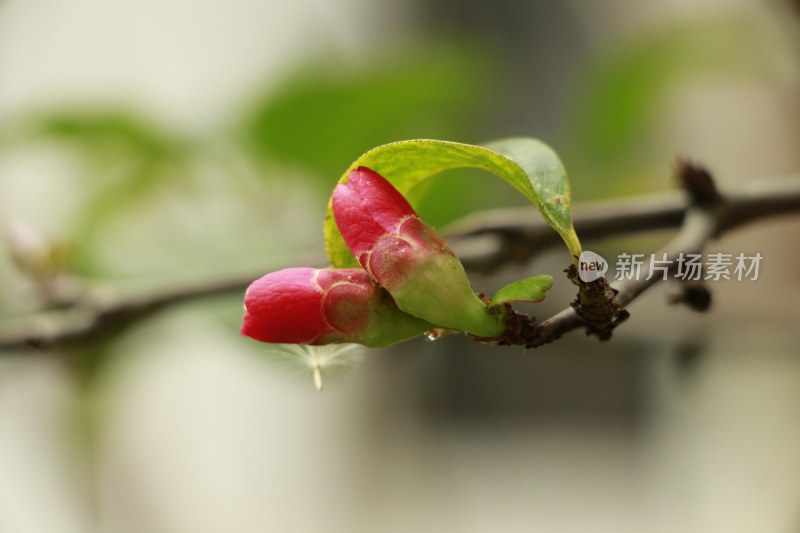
(697, 181)
(597, 305)
(520, 328)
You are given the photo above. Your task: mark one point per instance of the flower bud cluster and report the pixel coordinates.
(410, 280)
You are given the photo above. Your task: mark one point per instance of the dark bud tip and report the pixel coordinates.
(697, 181)
(696, 296)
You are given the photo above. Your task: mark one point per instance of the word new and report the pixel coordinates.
(591, 266)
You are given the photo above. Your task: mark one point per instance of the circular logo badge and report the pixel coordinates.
(591, 266)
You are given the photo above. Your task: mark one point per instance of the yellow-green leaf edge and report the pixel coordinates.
(530, 289)
(526, 164)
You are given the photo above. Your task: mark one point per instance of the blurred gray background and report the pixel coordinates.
(146, 144)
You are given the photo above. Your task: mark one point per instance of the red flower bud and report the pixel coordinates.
(323, 306)
(408, 257)
(369, 208)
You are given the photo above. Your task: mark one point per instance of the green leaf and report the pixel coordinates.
(525, 290)
(547, 177)
(528, 165)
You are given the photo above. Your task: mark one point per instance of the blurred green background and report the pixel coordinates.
(144, 145)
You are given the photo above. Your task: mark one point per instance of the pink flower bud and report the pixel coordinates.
(408, 257)
(324, 306)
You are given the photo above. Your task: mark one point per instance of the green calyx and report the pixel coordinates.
(367, 315)
(435, 287)
(390, 325)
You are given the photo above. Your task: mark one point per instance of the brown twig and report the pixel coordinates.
(708, 215)
(101, 312)
(488, 240)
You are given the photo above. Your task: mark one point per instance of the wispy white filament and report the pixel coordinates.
(330, 359)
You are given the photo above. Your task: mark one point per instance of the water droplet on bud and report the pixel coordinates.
(438, 333)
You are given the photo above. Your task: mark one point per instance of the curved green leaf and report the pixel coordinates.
(525, 290)
(526, 164)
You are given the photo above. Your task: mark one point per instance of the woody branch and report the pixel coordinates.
(485, 241)
(708, 215)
